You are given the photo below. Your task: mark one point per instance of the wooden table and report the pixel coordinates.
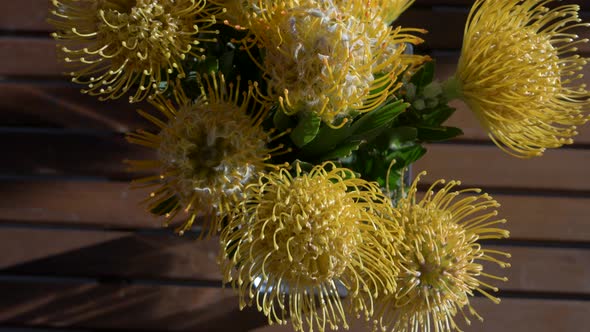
(78, 253)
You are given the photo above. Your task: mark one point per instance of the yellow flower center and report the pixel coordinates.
(441, 257)
(313, 231)
(212, 149)
(143, 34)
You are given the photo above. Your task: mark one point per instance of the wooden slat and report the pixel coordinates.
(445, 24)
(51, 252)
(107, 204)
(553, 218)
(21, 245)
(60, 104)
(29, 56)
(512, 315)
(543, 270)
(144, 308)
(69, 154)
(12, 17)
(584, 4)
(37, 56)
(203, 309)
(167, 256)
(82, 203)
(488, 166)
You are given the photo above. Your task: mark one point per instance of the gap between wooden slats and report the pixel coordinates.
(202, 309)
(118, 257)
(114, 204)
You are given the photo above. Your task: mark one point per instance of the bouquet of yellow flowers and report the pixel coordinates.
(286, 129)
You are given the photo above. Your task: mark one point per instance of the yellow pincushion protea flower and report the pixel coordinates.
(518, 73)
(442, 259)
(296, 238)
(120, 46)
(207, 151)
(332, 60)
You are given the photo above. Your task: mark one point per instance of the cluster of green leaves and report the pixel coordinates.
(379, 143)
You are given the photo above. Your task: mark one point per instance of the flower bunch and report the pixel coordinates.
(285, 129)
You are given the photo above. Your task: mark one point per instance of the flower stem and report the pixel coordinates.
(452, 89)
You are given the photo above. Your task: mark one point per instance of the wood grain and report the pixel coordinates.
(108, 254)
(120, 307)
(57, 103)
(82, 203)
(90, 203)
(151, 308)
(165, 256)
(445, 25)
(488, 166)
(68, 154)
(95, 259)
(511, 315)
(60, 104)
(63, 153)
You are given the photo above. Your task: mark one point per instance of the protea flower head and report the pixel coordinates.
(208, 150)
(116, 47)
(329, 58)
(519, 74)
(441, 264)
(298, 238)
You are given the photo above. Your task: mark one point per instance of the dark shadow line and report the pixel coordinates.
(555, 244)
(195, 232)
(487, 142)
(109, 280)
(539, 295)
(43, 328)
(516, 294)
(524, 191)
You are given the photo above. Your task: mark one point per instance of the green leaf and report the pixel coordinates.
(439, 115)
(342, 151)
(405, 156)
(209, 65)
(378, 118)
(281, 121)
(402, 136)
(226, 63)
(326, 140)
(424, 75)
(306, 130)
(437, 134)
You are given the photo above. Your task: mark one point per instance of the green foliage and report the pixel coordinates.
(330, 143)
(424, 76)
(306, 129)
